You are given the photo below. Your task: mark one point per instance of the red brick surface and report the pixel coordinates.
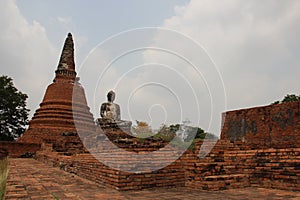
(86, 166)
(16, 149)
(130, 176)
(273, 126)
(231, 165)
(29, 179)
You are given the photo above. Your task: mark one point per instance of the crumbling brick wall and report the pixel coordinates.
(273, 126)
(232, 165)
(86, 166)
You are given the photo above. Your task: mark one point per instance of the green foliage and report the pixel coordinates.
(174, 128)
(275, 103)
(3, 176)
(168, 134)
(13, 111)
(288, 98)
(200, 133)
(165, 133)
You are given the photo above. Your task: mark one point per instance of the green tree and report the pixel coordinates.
(290, 98)
(13, 111)
(196, 132)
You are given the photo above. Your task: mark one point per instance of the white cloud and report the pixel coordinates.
(64, 20)
(25, 53)
(255, 44)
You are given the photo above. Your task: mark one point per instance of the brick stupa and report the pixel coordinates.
(63, 111)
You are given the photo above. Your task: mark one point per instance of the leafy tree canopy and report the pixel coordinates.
(291, 98)
(13, 111)
(197, 132)
(288, 98)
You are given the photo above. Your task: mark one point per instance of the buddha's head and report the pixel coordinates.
(111, 96)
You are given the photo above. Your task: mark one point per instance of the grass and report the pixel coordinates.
(3, 176)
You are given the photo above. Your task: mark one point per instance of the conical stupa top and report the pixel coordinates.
(66, 66)
(67, 55)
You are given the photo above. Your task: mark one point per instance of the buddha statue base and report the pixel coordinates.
(118, 128)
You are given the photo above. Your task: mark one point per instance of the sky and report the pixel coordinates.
(203, 58)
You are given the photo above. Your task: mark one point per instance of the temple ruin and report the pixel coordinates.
(259, 147)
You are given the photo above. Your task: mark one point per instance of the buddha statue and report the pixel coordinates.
(109, 110)
(111, 115)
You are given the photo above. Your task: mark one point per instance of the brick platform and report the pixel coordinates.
(30, 179)
(86, 166)
(229, 165)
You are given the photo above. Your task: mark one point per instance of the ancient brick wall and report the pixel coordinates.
(229, 165)
(216, 171)
(273, 126)
(232, 165)
(276, 168)
(86, 166)
(16, 149)
(130, 177)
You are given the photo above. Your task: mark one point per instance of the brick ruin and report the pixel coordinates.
(229, 165)
(87, 166)
(259, 147)
(63, 103)
(273, 126)
(235, 165)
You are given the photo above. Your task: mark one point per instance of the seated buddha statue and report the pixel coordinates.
(110, 111)
(111, 115)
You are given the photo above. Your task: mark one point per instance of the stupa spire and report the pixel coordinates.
(66, 65)
(67, 54)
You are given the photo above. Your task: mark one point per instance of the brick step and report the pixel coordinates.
(225, 177)
(222, 182)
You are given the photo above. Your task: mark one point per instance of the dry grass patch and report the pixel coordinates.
(3, 176)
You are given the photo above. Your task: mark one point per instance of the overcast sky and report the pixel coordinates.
(246, 53)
